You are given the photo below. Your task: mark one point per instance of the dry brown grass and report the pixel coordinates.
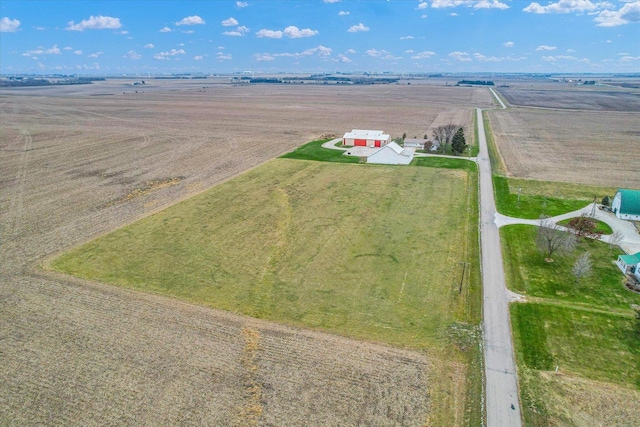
(76, 353)
(595, 148)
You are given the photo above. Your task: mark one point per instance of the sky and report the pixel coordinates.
(309, 36)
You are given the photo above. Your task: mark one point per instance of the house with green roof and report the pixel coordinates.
(630, 264)
(626, 204)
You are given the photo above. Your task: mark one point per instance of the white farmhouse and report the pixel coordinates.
(391, 154)
(418, 143)
(629, 264)
(366, 138)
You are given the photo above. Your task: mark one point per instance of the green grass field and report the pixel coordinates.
(314, 151)
(365, 251)
(587, 329)
(529, 274)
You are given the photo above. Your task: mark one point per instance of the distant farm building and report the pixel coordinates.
(391, 154)
(419, 143)
(629, 264)
(366, 138)
(626, 204)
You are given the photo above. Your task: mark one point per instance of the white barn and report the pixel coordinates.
(626, 204)
(391, 154)
(366, 138)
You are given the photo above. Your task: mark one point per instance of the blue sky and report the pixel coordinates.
(97, 37)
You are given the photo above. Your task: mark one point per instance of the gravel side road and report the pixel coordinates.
(501, 388)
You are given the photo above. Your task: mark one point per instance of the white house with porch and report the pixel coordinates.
(629, 264)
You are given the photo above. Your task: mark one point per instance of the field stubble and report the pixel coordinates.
(586, 147)
(77, 352)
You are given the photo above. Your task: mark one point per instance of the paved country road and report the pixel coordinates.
(501, 382)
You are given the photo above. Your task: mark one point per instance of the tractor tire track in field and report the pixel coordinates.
(15, 203)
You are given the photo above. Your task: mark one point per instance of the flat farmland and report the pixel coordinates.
(586, 147)
(577, 98)
(81, 161)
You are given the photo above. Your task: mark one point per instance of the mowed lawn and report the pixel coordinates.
(587, 329)
(366, 251)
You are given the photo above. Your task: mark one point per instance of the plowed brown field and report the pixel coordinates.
(586, 147)
(79, 161)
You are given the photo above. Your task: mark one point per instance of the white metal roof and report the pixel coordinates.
(366, 134)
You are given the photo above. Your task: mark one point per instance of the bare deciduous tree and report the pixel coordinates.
(582, 267)
(450, 131)
(615, 239)
(440, 134)
(551, 239)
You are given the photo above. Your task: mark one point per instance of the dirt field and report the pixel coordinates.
(596, 98)
(588, 147)
(80, 161)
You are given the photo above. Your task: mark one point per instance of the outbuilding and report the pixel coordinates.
(391, 154)
(626, 204)
(366, 138)
(418, 143)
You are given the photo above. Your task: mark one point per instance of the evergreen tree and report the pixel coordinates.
(458, 143)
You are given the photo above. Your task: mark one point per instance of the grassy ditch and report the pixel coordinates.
(584, 328)
(444, 163)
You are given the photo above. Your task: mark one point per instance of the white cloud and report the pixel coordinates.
(453, 14)
(9, 25)
(241, 4)
(165, 30)
(296, 33)
(406, 38)
(166, 55)
(132, 55)
(423, 16)
(570, 50)
(422, 5)
(343, 58)
(55, 50)
(343, 13)
(318, 50)
(96, 23)
(270, 34)
(408, 51)
(123, 32)
(67, 48)
(77, 52)
(231, 22)
(482, 58)
(149, 46)
(565, 6)
(630, 12)
(460, 56)
(545, 48)
(95, 55)
(358, 28)
(350, 51)
(223, 57)
(191, 20)
(238, 32)
(508, 44)
(476, 4)
(423, 55)
(490, 4)
(630, 58)
(198, 58)
(374, 53)
(263, 57)
(332, 1)
(188, 32)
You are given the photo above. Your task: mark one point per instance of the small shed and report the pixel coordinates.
(391, 154)
(629, 264)
(418, 143)
(626, 204)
